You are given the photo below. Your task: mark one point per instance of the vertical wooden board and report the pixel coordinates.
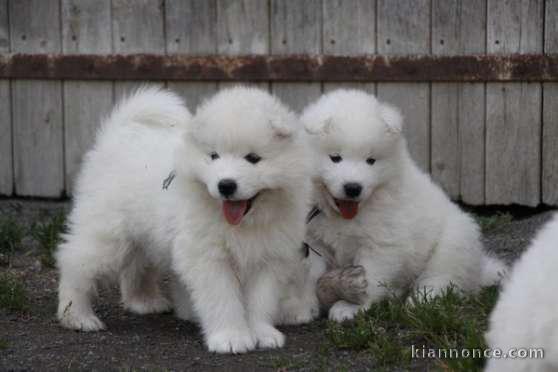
(137, 27)
(296, 28)
(513, 144)
(38, 143)
(457, 117)
(6, 160)
(37, 105)
(404, 28)
(243, 28)
(84, 30)
(513, 121)
(349, 38)
(550, 112)
(191, 28)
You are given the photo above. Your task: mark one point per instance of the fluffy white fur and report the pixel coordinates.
(406, 232)
(526, 315)
(230, 278)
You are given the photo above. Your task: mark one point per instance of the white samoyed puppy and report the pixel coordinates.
(526, 313)
(380, 211)
(228, 218)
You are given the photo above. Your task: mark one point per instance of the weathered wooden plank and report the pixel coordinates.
(457, 118)
(296, 28)
(404, 28)
(349, 38)
(37, 105)
(243, 28)
(137, 27)
(191, 28)
(513, 120)
(6, 159)
(84, 30)
(550, 113)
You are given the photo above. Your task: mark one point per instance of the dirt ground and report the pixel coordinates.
(34, 341)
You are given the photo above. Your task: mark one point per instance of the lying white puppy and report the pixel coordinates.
(526, 315)
(380, 211)
(229, 219)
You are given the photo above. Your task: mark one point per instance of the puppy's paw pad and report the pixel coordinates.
(342, 311)
(148, 305)
(85, 323)
(268, 337)
(234, 341)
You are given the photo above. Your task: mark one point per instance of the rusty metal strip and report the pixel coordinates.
(280, 68)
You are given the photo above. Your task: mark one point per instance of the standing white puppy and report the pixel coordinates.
(230, 224)
(525, 316)
(380, 211)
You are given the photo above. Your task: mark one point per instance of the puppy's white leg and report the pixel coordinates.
(216, 296)
(80, 263)
(140, 286)
(181, 299)
(263, 293)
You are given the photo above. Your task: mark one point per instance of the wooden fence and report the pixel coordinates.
(486, 142)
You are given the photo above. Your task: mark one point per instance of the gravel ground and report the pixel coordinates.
(34, 341)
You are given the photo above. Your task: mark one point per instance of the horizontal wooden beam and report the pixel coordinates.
(517, 67)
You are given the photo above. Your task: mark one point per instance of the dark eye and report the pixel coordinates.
(214, 156)
(336, 158)
(252, 158)
(371, 161)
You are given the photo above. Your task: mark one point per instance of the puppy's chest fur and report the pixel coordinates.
(342, 240)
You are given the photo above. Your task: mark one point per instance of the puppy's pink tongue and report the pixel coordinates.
(348, 209)
(234, 210)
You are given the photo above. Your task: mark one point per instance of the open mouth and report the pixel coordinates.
(235, 210)
(347, 208)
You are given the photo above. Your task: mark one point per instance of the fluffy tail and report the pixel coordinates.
(494, 271)
(152, 106)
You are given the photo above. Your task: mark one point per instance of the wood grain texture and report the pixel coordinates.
(404, 28)
(37, 105)
(349, 38)
(6, 159)
(137, 27)
(513, 119)
(458, 110)
(243, 28)
(550, 113)
(296, 28)
(191, 28)
(84, 30)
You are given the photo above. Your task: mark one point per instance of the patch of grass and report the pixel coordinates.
(48, 235)
(283, 363)
(390, 328)
(494, 221)
(3, 344)
(13, 297)
(11, 236)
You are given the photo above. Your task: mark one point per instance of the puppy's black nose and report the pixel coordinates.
(227, 187)
(352, 189)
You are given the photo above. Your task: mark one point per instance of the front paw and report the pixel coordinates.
(267, 336)
(231, 340)
(342, 311)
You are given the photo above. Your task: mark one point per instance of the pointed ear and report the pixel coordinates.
(392, 118)
(319, 128)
